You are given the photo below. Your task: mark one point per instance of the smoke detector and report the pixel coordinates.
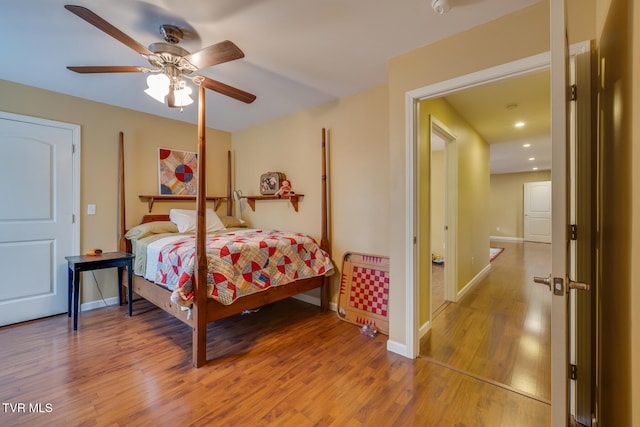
(441, 6)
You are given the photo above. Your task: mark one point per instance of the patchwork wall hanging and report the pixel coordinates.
(177, 172)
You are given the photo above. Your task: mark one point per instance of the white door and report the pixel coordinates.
(560, 219)
(583, 248)
(36, 216)
(537, 211)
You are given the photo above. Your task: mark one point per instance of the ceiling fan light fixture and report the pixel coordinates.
(182, 98)
(158, 86)
(171, 63)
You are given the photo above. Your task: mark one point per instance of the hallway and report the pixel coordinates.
(500, 331)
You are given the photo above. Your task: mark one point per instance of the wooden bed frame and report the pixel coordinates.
(206, 309)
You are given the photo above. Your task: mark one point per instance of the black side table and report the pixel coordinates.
(80, 263)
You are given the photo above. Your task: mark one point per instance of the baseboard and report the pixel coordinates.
(308, 299)
(473, 282)
(506, 239)
(314, 300)
(424, 329)
(396, 347)
(92, 305)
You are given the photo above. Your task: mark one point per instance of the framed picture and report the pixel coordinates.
(177, 172)
(270, 182)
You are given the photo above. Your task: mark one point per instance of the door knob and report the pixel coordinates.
(543, 281)
(557, 284)
(578, 286)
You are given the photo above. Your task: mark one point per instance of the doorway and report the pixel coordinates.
(473, 159)
(38, 217)
(443, 192)
(517, 68)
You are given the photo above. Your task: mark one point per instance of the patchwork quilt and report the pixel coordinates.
(241, 263)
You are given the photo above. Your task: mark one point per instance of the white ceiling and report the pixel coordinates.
(298, 53)
(493, 109)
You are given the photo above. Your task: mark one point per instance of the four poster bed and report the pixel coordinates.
(203, 291)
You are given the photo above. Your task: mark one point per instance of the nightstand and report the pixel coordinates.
(80, 263)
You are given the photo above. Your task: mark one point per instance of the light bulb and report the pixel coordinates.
(158, 87)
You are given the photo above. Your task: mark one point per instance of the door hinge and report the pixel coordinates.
(573, 372)
(573, 232)
(574, 92)
(73, 218)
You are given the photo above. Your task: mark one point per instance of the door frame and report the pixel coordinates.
(451, 210)
(521, 67)
(532, 64)
(75, 164)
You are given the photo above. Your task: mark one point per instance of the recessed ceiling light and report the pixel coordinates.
(532, 159)
(526, 145)
(519, 124)
(535, 169)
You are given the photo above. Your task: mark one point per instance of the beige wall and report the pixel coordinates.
(358, 172)
(100, 127)
(472, 227)
(506, 203)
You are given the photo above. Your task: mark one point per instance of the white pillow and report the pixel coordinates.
(186, 220)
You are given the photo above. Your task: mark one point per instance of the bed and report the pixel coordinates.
(198, 297)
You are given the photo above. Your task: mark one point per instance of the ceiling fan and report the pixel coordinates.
(170, 64)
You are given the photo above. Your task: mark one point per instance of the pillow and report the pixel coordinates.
(232, 221)
(186, 220)
(149, 228)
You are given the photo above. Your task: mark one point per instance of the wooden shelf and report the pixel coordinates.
(293, 198)
(166, 197)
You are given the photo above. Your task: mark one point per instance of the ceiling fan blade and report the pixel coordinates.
(108, 69)
(103, 25)
(215, 54)
(225, 89)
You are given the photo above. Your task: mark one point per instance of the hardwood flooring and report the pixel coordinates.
(285, 365)
(437, 288)
(500, 330)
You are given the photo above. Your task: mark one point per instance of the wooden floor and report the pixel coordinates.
(437, 287)
(285, 365)
(500, 330)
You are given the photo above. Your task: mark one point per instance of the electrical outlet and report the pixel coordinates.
(91, 209)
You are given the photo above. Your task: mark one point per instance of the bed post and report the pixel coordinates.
(324, 239)
(199, 331)
(229, 186)
(121, 199)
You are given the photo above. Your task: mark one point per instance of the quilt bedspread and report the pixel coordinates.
(241, 263)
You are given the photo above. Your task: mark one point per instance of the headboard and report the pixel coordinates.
(154, 217)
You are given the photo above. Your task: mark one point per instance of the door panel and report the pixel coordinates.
(537, 211)
(36, 228)
(583, 248)
(559, 138)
